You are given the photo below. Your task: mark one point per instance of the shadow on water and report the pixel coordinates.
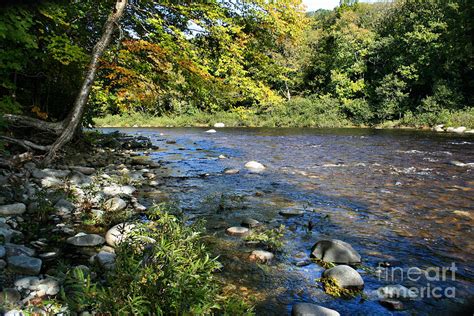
(390, 193)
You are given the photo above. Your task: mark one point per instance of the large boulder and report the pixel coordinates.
(115, 204)
(25, 264)
(307, 309)
(345, 277)
(12, 209)
(118, 233)
(336, 251)
(86, 240)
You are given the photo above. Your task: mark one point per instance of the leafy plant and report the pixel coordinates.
(271, 239)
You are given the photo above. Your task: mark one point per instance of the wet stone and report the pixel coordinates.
(336, 251)
(86, 240)
(307, 309)
(291, 212)
(261, 256)
(231, 171)
(237, 231)
(345, 277)
(392, 304)
(250, 222)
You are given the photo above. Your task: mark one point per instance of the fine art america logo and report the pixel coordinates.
(428, 282)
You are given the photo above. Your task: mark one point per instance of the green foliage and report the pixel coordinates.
(271, 239)
(332, 288)
(162, 268)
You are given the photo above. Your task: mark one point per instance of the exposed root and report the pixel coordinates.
(26, 121)
(26, 144)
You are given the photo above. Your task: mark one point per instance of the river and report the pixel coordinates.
(394, 195)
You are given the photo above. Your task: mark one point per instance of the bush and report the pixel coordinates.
(163, 268)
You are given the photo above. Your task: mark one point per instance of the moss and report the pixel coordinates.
(332, 288)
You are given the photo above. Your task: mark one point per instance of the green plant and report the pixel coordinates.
(332, 288)
(271, 239)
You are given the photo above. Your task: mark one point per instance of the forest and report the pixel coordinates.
(395, 63)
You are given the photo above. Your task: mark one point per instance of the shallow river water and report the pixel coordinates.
(394, 195)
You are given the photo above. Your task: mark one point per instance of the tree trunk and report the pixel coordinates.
(75, 115)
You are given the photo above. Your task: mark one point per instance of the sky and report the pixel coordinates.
(320, 4)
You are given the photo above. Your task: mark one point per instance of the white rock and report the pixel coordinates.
(307, 309)
(459, 130)
(211, 131)
(50, 182)
(254, 166)
(118, 233)
(219, 125)
(438, 128)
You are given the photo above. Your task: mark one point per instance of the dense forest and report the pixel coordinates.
(358, 64)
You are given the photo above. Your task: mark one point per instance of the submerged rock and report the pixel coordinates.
(307, 309)
(237, 231)
(345, 277)
(250, 222)
(25, 264)
(392, 304)
(86, 240)
(336, 251)
(396, 291)
(261, 256)
(12, 209)
(231, 171)
(254, 166)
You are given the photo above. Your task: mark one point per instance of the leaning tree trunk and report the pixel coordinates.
(75, 116)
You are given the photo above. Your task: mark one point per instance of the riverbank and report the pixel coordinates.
(80, 237)
(249, 118)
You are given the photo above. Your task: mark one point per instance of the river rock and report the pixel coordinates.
(219, 125)
(118, 233)
(18, 250)
(237, 231)
(12, 209)
(211, 131)
(114, 190)
(345, 277)
(64, 206)
(469, 131)
(261, 256)
(231, 171)
(3, 252)
(459, 130)
(291, 212)
(84, 170)
(50, 182)
(250, 222)
(336, 251)
(86, 240)
(79, 179)
(307, 309)
(115, 204)
(9, 296)
(8, 233)
(106, 259)
(438, 128)
(25, 264)
(254, 166)
(396, 291)
(392, 304)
